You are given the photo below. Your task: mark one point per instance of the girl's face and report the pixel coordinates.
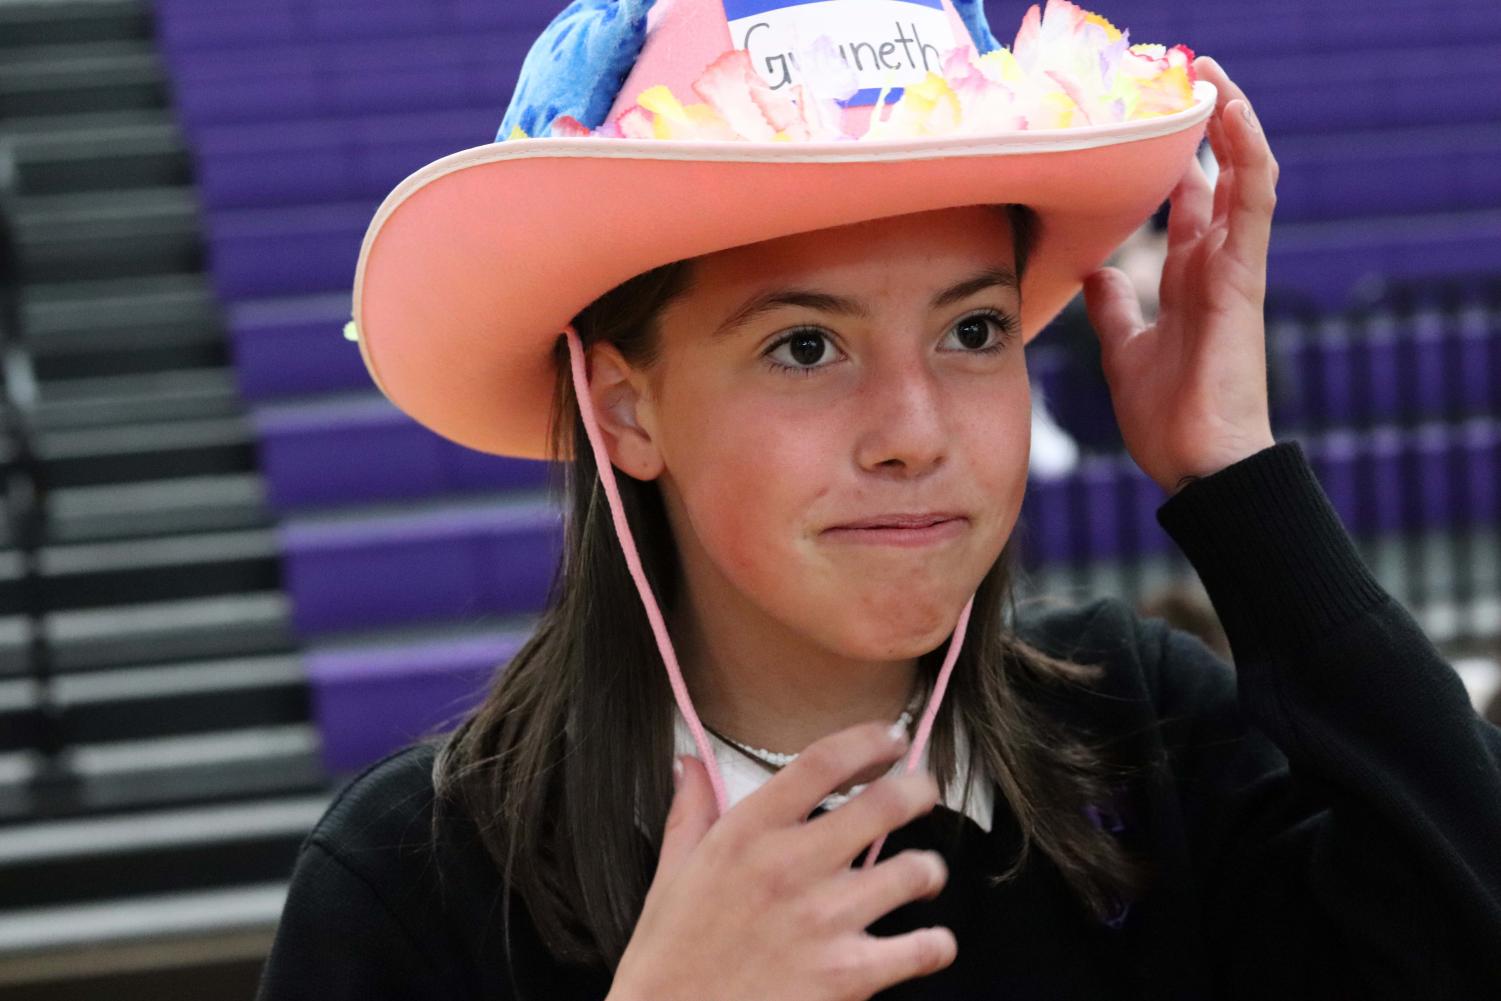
(871, 374)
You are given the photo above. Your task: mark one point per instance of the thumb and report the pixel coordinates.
(1114, 311)
(693, 812)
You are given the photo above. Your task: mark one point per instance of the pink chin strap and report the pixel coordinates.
(659, 627)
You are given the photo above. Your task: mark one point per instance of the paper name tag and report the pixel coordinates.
(883, 42)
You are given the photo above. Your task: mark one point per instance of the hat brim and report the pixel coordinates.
(472, 266)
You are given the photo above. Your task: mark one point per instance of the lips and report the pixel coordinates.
(913, 520)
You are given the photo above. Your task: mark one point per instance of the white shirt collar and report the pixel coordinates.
(742, 776)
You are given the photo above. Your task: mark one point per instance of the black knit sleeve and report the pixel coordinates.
(1341, 796)
(338, 939)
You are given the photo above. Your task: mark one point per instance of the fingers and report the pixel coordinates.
(692, 813)
(1114, 311)
(1245, 195)
(1189, 218)
(897, 958)
(1224, 181)
(1253, 193)
(861, 896)
(1192, 206)
(1207, 68)
(880, 808)
(824, 766)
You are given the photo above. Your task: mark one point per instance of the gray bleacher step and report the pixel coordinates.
(193, 697)
(17, 769)
(143, 703)
(136, 398)
(164, 568)
(96, 158)
(90, 76)
(229, 625)
(58, 862)
(12, 580)
(107, 234)
(26, 23)
(75, 329)
(20, 722)
(15, 645)
(158, 507)
(189, 768)
(84, 121)
(154, 451)
(140, 703)
(197, 944)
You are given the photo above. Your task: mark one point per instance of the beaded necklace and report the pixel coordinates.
(778, 760)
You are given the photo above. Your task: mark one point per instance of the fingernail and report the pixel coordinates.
(1250, 117)
(897, 732)
(677, 772)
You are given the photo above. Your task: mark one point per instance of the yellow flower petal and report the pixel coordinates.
(1111, 31)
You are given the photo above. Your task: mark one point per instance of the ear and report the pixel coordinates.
(622, 406)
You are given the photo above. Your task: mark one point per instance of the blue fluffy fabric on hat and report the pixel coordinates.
(579, 63)
(972, 13)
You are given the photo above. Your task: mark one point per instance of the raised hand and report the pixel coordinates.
(1189, 389)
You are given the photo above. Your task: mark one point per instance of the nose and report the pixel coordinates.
(903, 426)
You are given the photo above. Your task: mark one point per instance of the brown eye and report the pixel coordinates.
(803, 351)
(806, 348)
(973, 331)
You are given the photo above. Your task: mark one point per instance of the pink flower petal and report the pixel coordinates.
(1069, 67)
(566, 126)
(636, 123)
(728, 85)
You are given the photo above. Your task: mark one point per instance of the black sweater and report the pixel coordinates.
(1325, 818)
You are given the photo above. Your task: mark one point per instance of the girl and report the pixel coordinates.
(822, 435)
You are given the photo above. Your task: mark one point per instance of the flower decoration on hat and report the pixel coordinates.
(1067, 68)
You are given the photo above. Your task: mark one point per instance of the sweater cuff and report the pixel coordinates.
(1271, 551)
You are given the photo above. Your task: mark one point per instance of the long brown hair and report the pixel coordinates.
(577, 729)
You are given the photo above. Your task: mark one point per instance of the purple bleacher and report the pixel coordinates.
(328, 160)
(1211, 28)
(302, 82)
(1478, 338)
(1348, 89)
(1102, 487)
(1046, 363)
(238, 25)
(1385, 481)
(1104, 510)
(370, 699)
(1312, 31)
(1333, 457)
(1390, 481)
(1345, 174)
(1478, 503)
(1431, 458)
(466, 562)
(359, 449)
(1043, 526)
(1386, 369)
(256, 253)
(364, 156)
(294, 347)
(1326, 262)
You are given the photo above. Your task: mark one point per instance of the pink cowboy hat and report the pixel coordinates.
(474, 265)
